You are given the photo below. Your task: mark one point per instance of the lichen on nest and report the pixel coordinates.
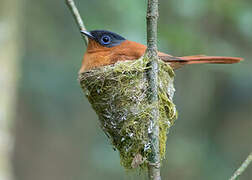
(118, 94)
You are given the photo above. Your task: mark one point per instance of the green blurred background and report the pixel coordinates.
(52, 131)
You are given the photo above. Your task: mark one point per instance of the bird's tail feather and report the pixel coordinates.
(210, 59)
(177, 62)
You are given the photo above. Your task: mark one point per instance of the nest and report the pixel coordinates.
(118, 94)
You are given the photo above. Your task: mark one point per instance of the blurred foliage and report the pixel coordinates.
(57, 132)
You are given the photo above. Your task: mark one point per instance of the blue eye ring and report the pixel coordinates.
(106, 39)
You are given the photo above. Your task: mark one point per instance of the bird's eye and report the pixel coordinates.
(105, 39)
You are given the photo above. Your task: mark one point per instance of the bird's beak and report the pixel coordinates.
(88, 34)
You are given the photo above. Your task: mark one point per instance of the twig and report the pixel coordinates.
(242, 168)
(154, 157)
(77, 17)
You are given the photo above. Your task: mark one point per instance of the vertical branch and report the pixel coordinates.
(154, 157)
(77, 17)
(242, 168)
(11, 52)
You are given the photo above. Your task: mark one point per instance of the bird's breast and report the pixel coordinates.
(93, 60)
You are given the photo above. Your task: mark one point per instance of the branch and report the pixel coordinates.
(77, 17)
(154, 157)
(242, 168)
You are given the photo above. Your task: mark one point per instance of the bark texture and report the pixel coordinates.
(154, 157)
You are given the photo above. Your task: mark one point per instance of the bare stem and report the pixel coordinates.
(154, 156)
(242, 168)
(77, 17)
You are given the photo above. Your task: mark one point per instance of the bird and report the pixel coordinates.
(106, 48)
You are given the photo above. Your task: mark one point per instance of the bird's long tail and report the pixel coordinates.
(210, 59)
(177, 62)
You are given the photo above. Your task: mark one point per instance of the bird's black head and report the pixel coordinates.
(104, 38)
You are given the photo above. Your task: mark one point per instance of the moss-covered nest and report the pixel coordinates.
(118, 94)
